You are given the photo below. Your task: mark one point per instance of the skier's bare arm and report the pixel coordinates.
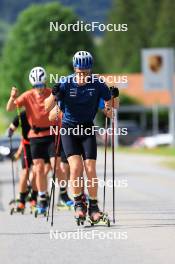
(50, 103)
(11, 102)
(53, 113)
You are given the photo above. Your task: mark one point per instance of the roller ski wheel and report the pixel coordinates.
(80, 213)
(12, 211)
(80, 221)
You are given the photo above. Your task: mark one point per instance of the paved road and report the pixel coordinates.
(144, 231)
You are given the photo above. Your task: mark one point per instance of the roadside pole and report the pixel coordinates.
(172, 106)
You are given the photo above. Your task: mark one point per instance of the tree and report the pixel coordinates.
(87, 9)
(165, 33)
(122, 49)
(4, 28)
(31, 43)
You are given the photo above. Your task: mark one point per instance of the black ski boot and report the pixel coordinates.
(64, 200)
(18, 206)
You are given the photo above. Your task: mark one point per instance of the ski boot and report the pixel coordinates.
(41, 207)
(80, 212)
(33, 201)
(28, 193)
(95, 215)
(85, 198)
(64, 202)
(17, 207)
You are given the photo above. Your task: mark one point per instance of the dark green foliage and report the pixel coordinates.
(165, 33)
(87, 9)
(150, 23)
(30, 43)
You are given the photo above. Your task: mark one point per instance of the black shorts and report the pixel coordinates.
(43, 148)
(83, 145)
(26, 157)
(63, 155)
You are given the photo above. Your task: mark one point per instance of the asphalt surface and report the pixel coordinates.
(143, 233)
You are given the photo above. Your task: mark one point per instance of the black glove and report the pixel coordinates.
(114, 92)
(10, 132)
(56, 89)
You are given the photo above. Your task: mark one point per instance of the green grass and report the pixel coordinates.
(160, 151)
(166, 152)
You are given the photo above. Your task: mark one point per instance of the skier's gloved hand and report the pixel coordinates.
(115, 97)
(56, 89)
(10, 132)
(107, 112)
(114, 92)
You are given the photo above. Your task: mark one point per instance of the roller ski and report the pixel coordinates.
(80, 212)
(17, 207)
(13, 201)
(96, 217)
(41, 207)
(64, 202)
(40, 211)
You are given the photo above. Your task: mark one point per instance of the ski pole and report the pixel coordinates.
(29, 185)
(17, 170)
(50, 196)
(52, 193)
(12, 168)
(53, 181)
(114, 93)
(104, 188)
(52, 185)
(23, 145)
(54, 175)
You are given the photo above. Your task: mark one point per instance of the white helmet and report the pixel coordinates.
(37, 76)
(82, 60)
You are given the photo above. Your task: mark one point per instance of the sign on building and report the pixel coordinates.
(158, 68)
